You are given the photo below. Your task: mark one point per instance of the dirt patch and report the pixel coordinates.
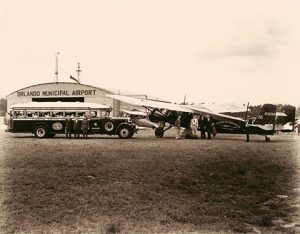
(147, 185)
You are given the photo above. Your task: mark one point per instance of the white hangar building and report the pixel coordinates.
(64, 92)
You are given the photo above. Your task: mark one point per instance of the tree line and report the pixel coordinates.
(3, 106)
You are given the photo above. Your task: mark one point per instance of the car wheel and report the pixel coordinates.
(40, 131)
(109, 127)
(125, 132)
(159, 132)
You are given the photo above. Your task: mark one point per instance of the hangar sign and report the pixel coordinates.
(55, 93)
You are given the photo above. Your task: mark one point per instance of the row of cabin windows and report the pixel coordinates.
(58, 114)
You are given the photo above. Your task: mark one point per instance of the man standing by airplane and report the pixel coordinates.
(202, 125)
(208, 127)
(194, 125)
(177, 127)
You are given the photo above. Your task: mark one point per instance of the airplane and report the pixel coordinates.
(266, 123)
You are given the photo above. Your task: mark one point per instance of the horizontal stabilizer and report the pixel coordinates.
(286, 122)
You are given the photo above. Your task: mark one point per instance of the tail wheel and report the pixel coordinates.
(41, 131)
(125, 132)
(159, 132)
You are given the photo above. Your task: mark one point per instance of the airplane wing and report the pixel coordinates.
(175, 107)
(149, 103)
(216, 116)
(224, 108)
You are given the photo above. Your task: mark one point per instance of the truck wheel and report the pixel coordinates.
(125, 132)
(40, 131)
(159, 132)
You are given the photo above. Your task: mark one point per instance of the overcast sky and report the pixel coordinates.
(214, 51)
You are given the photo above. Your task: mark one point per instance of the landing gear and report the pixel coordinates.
(159, 132)
(267, 139)
(247, 137)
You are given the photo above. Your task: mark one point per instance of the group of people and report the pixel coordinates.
(204, 124)
(75, 126)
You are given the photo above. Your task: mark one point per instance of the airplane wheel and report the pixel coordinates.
(159, 132)
(268, 139)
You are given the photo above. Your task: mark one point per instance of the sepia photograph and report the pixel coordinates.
(135, 116)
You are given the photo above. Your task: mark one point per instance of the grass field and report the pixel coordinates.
(149, 185)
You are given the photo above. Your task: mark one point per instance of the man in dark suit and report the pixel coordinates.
(76, 127)
(202, 125)
(69, 126)
(85, 127)
(208, 127)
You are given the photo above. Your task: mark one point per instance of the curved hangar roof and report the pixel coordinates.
(57, 89)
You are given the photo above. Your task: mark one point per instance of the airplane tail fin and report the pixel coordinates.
(290, 111)
(289, 120)
(267, 115)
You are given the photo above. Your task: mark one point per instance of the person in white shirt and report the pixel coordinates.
(178, 127)
(194, 125)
